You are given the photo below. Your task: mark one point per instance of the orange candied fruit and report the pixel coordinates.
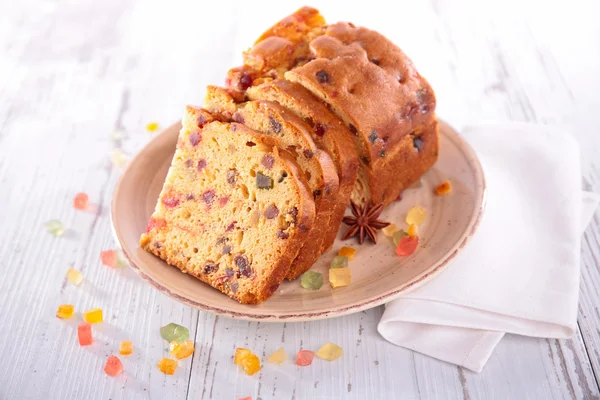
(443, 189)
(167, 366)
(125, 347)
(247, 360)
(81, 201)
(347, 252)
(413, 230)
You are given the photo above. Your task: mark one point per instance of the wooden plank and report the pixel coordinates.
(76, 72)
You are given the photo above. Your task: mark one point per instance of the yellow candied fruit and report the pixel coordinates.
(443, 189)
(125, 347)
(74, 276)
(93, 316)
(250, 364)
(347, 252)
(240, 354)
(167, 366)
(339, 277)
(416, 215)
(413, 230)
(65, 311)
(330, 352)
(390, 230)
(152, 126)
(181, 350)
(278, 357)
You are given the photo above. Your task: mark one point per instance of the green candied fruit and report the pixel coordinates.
(174, 333)
(399, 235)
(311, 280)
(339, 262)
(263, 181)
(55, 227)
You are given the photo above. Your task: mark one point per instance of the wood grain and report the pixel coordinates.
(71, 73)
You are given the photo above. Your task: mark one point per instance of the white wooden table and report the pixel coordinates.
(72, 72)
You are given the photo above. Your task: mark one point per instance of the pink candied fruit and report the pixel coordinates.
(305, 358)
(81, 201)
(109, 258)
(170, 202)
(113, 366)
(407, 245)
(157, 223)
(84, 333)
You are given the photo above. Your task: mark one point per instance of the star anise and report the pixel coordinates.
(364, 222)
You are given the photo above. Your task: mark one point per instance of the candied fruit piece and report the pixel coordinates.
(167, 366)
(118, 158)
(245, 398)
(263, 181)
(399, 235)
(330, 352)
(152, 126)
(339, 277)
(390, 230)
(413, 230)
(181, 349)
(93, 316)
(347, 252)
(74, 276)
(81, 201)
(407, 245)
(443, 189)
(65, 311)
(109, 258)
(305, 358)
(55, 227)
(84, 334)
(113, 366)
(278, 357)
(416, 215)
(250, 364)
(240, 354)
(311, 280)
(174, 333)
(126, 347)
(339, 262)
(121, 261)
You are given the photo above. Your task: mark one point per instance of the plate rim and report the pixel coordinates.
(369, 303)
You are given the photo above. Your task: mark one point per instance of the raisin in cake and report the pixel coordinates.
(369, 83)
(294, 135)
(328, 132)
(234, 210)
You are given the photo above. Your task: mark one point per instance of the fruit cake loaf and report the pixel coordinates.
(234, 208)
(328, 132)
(294, 135)
(371, 84)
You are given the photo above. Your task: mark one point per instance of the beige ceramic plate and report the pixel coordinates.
(378, 275)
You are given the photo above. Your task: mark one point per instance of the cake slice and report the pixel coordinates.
(234, 210)
(328, 131)
(294, 135)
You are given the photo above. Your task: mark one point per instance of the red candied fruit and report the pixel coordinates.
(170, 202)
(157, 223)
(201, 164)
(80, 202)
(223, 201)
(245, 81)
(230, 227)
(109, 258)
(305, 357)
(208, 197)
(195, 138)
(407, 245)
(319, 129)
(268, 160)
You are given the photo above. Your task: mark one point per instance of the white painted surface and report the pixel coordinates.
(72, 72)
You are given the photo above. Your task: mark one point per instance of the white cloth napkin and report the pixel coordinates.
(520, 272)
